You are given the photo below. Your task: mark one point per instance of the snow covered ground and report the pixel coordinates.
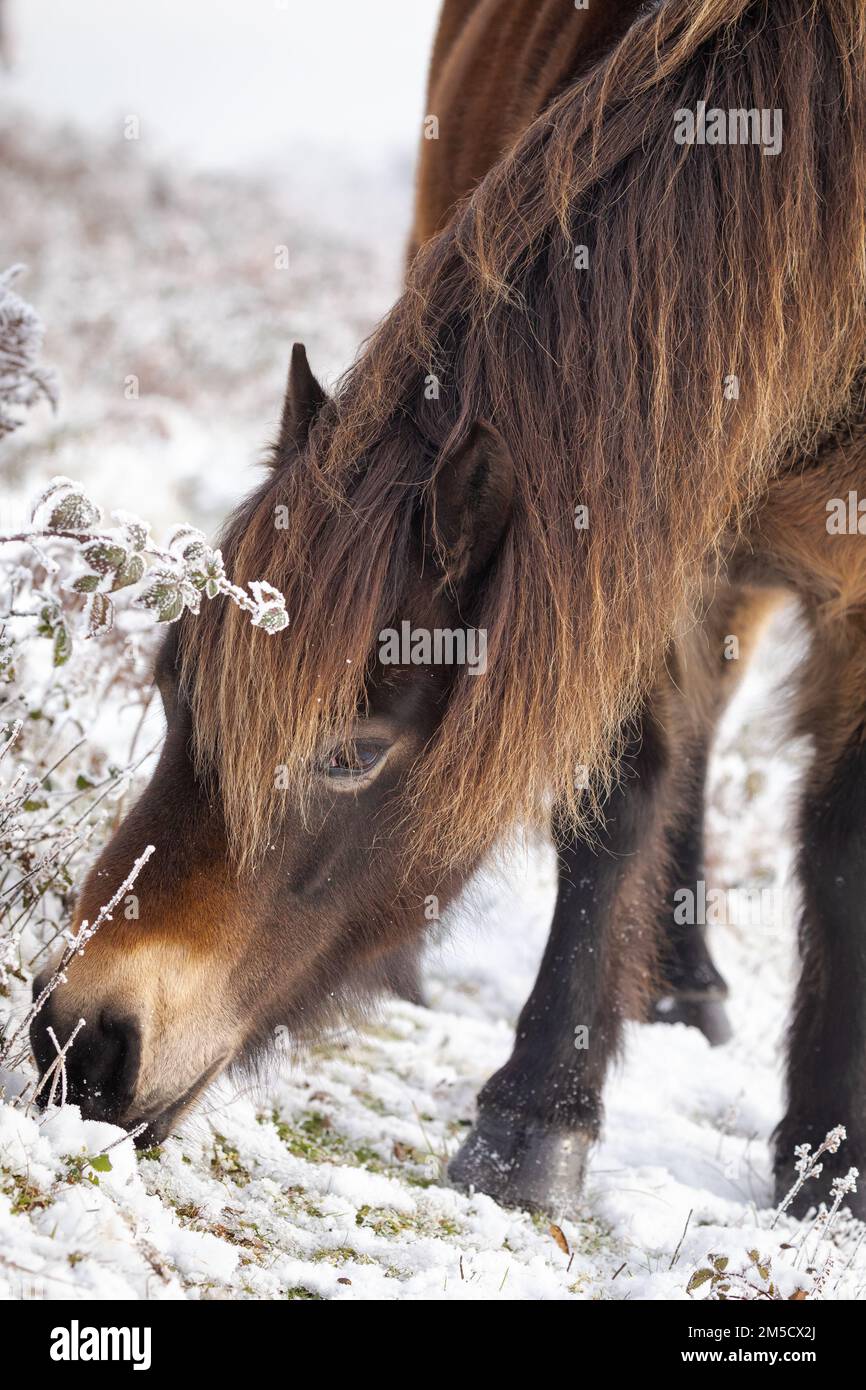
(325, 1179)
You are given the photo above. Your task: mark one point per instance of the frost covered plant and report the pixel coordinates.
(755, 1279)
(721, 1284)
(822, 1225)
(807, 1165)
(22, 382)
(106, 559)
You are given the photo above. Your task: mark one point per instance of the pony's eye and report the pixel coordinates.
(353, 759)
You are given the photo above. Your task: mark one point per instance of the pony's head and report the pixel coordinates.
(284, 808)
(320, 786)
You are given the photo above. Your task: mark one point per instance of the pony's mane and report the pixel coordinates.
(607, 385)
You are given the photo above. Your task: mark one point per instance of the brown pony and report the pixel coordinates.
(601, 426)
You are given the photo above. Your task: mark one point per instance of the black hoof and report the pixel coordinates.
(539, 1169)
(702, 1011)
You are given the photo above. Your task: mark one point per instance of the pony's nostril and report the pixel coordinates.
(121, 1057)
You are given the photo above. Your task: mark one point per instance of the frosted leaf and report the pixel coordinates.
(50, 614)
(99, 615)
(83, 584)
(104, 557)
(162, 595)
(73, 511)
(271, 619)
(62, 644)
(167, 593)
(136, 533)
(191, 597)
(56, 485)
(263, 592)
(70, 507)
(211, 575)
(130, 572)
(270, 611)
(52, 623)
(188, 544)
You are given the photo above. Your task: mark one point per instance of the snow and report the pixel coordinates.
(325, 1176)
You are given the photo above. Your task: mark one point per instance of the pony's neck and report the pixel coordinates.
(496, 65)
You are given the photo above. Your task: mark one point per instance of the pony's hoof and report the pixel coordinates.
(532, 1167)
(705, 1012)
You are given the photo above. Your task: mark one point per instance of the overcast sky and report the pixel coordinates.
(230, 82)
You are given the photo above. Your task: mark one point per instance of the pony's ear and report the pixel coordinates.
(304, 399)
(472, 498)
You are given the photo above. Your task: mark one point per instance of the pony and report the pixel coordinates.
(601, 427)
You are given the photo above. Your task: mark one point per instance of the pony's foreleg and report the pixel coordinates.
(692, 990)
(539, 1114)
(702, 681)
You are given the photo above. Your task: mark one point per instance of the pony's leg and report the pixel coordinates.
(702, 683)
(539, 1114)
(692, 989)
(826, 1071)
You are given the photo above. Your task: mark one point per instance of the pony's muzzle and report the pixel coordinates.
(99, 1072)
(144, 1018)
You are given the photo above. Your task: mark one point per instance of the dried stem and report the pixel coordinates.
(74, 947)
